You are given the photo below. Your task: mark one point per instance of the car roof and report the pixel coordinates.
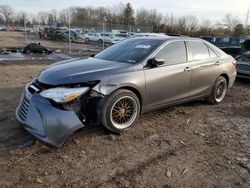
(167, 38)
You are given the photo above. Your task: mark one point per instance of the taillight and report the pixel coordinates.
(234, 62)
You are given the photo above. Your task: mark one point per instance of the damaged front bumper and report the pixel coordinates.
(44, 121)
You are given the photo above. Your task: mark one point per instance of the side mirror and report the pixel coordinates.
(92, 55)
(155, 62)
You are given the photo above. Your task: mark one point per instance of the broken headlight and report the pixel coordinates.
(64, 95)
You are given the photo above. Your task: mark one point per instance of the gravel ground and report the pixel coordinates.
(189, 145)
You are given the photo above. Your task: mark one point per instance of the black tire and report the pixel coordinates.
(27, 52)
(87, 39)
(109, 107)
(218, 94)
(100, 41)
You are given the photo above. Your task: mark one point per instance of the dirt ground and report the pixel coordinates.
(190, 145)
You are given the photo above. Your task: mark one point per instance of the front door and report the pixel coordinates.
(170, 82)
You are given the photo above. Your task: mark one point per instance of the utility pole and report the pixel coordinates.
(248, 11)
(25, 30)
(103, 35)
(103, 29)
(69, 38)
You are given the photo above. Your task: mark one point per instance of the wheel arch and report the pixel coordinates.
(135, 91)
(226, 77)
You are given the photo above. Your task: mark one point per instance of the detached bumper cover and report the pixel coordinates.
(45, 122)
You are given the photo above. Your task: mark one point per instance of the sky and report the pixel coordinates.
(203, 9)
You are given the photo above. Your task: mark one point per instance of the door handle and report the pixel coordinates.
(187, 69)
(217, 63)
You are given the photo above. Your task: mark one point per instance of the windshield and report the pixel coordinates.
(130, 51)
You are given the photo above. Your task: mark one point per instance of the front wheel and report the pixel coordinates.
(120, 110)
(219, 90)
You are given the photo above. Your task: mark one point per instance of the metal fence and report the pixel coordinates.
(28, 34)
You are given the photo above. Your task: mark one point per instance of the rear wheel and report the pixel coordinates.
(87, 39)
(120, 110)
(219, 90)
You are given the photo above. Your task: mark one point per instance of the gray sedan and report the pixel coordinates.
(243, 66)
(118, 84)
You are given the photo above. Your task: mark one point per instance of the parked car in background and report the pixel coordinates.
(230, 45)
(22, 29)
(121, 82)
(224, 41)
(148, 35)
(243, 65)
(75, 35)
(98, 37)
(2, 28)
(245, 46)
(91, 37)
(210, 39)
(35, 48)
(106, 37)
(232, 50)
(119, 37)
(229, 41)
(57, 28)
(78, 31)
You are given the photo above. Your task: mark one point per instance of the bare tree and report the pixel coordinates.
(142, 16)
(7, 12)
(65, 16)
(1, 19)
(52, 16)
(182, 25)
(169, 20)
(192, 24)
(42, 17)
(205, 28)
(117, 13)
(121, 15)
(19, 18)
(230, 21)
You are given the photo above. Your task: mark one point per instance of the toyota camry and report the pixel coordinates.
(118, 84)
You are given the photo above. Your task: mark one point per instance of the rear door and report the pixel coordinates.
(206, 67)
(169, 82)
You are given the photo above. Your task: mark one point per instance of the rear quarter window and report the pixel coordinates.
(212, 54)
(198, 50)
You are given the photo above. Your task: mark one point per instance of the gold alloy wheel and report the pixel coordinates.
(124, 112)
(220, 91)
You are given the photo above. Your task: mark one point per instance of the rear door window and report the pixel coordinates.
(173, 53)
(198, 50)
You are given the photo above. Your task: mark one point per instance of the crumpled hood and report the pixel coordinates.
(79, 71)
